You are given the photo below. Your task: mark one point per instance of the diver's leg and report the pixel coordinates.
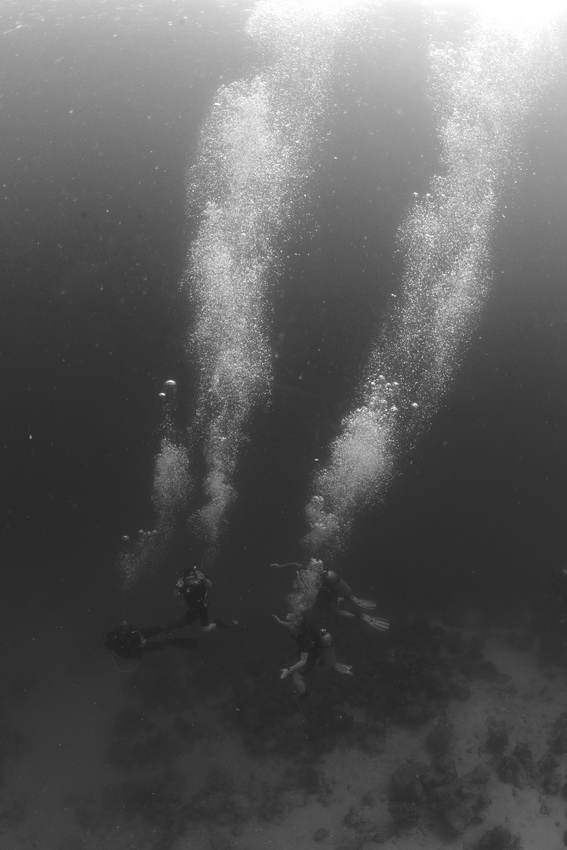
(206, 626)
(217, 623)
(178, 624)
(153, 646)
(151, 631)
(328, 657)
(299, 683)
(182, 643)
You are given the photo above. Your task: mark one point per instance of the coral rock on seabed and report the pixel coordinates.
(321, 835)
(442, 771)
(406, 785)
(498, 734)
(407, 795)
(558, 739)
(368, 824)
(441, 738)
(550, 779)
(498, 838)
(518, 768)
(460, 802)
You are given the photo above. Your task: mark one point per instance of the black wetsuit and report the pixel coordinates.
(193, 588)
(331, 590)
(310, 638)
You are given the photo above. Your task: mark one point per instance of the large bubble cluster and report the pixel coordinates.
(256, 157)
(306, 586)
(172, 485)
(482, 95)
(258, 150)
(171, 493)
(140, 556)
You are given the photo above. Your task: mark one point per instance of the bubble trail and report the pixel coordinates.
(173, 483)
(256, 156)
(482, 95)
(171, 492)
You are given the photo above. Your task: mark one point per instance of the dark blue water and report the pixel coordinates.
(101, 107)
(102, 114)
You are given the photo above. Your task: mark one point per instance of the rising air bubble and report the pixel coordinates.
(445, 241)
(256, 160)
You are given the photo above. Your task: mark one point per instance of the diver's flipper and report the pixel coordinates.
(376, 622)
(363, 603)
(344, 668)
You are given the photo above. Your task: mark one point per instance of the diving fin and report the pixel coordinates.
(363, 603)
(344, 668)
(376, 622)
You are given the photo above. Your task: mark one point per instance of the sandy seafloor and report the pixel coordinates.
(209, 749)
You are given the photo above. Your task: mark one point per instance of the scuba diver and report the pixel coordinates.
(130, 642)
(333, 590)
(193, 590)
(315, 645)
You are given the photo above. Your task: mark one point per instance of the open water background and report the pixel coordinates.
(101, 108)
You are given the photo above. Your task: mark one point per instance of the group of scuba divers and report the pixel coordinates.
(131, 643)
(316, 591)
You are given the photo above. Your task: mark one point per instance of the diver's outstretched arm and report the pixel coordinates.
(299, 665)
(285, 623)
(295, 564)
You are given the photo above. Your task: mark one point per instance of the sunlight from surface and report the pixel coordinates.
(528, 14)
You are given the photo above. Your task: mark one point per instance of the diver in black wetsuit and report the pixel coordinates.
(130, 642)
(193, 589)
(315, 646)
(333, 590)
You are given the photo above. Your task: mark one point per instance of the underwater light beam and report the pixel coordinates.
(513, 14)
